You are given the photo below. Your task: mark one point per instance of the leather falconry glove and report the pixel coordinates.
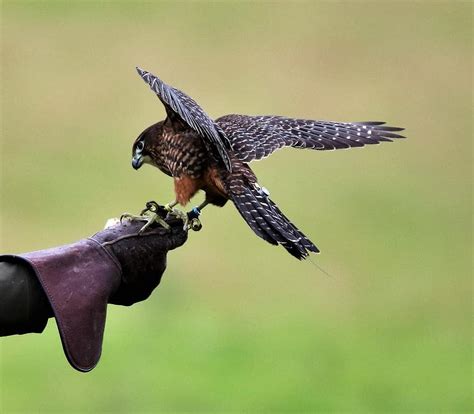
(117, 265)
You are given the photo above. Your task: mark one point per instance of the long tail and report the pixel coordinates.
(268, 222)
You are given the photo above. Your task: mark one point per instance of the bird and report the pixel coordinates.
(200, 153)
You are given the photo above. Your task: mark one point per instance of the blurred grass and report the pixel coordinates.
(238, 325)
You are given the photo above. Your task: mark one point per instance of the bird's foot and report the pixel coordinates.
(148, 218)
(190, 220)
(152, 213)
(181, 215)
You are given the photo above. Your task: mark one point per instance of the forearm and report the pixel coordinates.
(24, 307)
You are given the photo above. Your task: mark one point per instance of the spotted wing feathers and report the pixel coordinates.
(256, 137)
(177, 102)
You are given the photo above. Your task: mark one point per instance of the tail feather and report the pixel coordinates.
(306, 242)
(268, 222)
(283, 233)
(245, 208)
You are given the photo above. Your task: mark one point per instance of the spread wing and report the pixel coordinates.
(256, 137)
(181, 108)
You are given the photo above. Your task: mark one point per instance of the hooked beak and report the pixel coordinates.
(137, 161)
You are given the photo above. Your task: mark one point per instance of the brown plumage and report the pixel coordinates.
(202, 154)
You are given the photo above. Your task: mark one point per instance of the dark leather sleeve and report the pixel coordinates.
(24, 307)
(117, 265)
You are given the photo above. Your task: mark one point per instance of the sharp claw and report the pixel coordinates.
(154, 218)
(178, 214)
(151, 214)
(131, 217)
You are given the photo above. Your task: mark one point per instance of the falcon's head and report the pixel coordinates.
(143, 146)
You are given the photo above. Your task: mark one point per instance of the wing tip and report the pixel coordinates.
(144, 74)
(379, 125)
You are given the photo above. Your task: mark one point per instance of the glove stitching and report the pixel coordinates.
(112, 257)
(128, 236)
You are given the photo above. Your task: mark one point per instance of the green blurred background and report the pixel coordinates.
(239, 325)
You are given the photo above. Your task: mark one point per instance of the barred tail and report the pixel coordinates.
(268, 222)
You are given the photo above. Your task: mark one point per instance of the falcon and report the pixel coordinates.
(214, 155)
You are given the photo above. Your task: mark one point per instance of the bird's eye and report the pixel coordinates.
(140, 146)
